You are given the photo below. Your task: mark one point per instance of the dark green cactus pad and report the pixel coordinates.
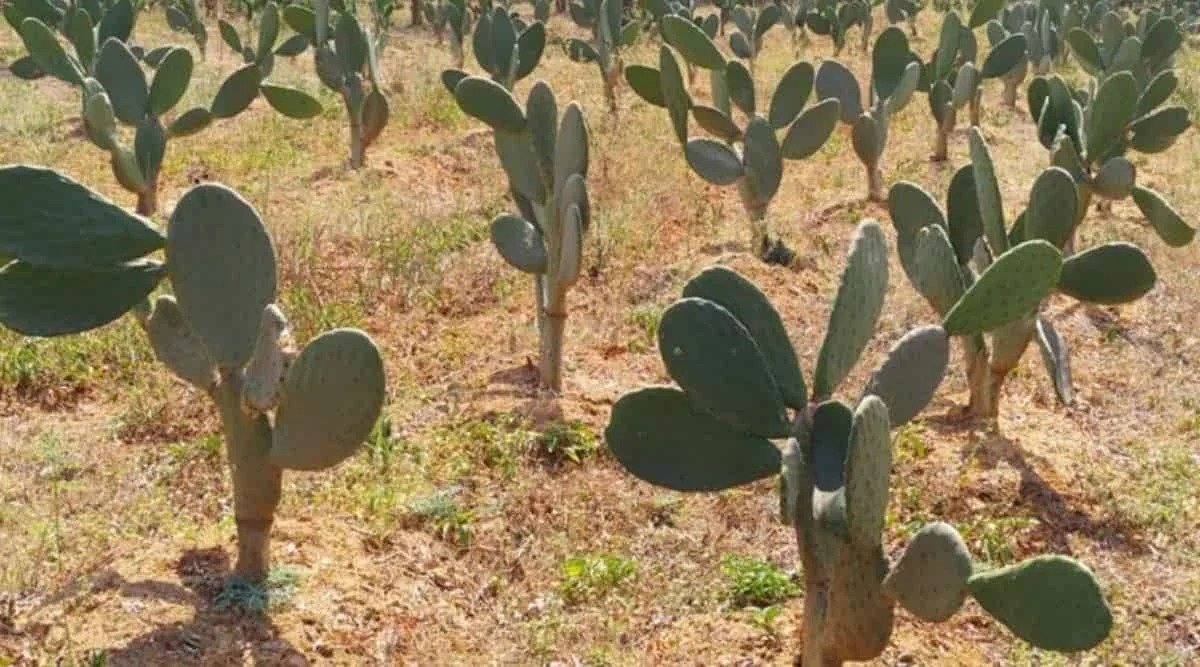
(868, 467)
(44, 301)
(1155, 132)
(149, 147)
(48, 54)
(1053, 204)
(171, 81)
(713, 161)
(740, 45)
(1085, 50)
(1111, 111)
(811, 130)
(268, 31)
(713, 357)
(1012, 287)
(190, 122)
(966, 83)
(1064, 155)
(691, 42)
(1055, 358)
(99, 120)
(751, 307)
(1112, 273)
(987, 192)
(984, 11)
(237, 92)
(660, 437)
(331, 399)
(67, 225)
(791, 95)
(867, 138)
(717, 123)
(938, 276)
(1160, 88)
(831, 425)
(1166, 221)
(229, 35)
(962, 213)
(1052, 602)
(930, 579)
(911, 209)
(910, 80)
(674, 92)
(291, 102)
(541, 110)
(491, 103)
(570, 263)
(1004, 57)
(78, 28)
(856, 308)
(25, 68)
(121, 75)
(177, 346)
(451, 78)
(519, 243)
(531, 43)
(1115, 178)
(350, 42)
(763, 159)
(1163, 39)
(941, 101)
(574, 194)
(834, 80)
(889, 60)
(948, 42)
(740, 86)
(222, 267)
(647, 83)
(911, 373)
(519, 162)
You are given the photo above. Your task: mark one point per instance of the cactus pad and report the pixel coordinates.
(491, 103)
(868, 467)
(930, 579)
(1010, 288)
(1115, 178)
(332, 397)
(938, 277)
(519, 243)
(177, 346)
(713, 161)
(811, 130)
(912, 372)
(1055, 358)
(272, 355)
(1163, 217)
(1111, 111)
(962, 214)
(691, 42)
(1108, 274)
(791, 94)
(41, 301)
(834, 80)
(987, 192)
(911, 208)
(1052, 208)
(237, 92)
(763, 160)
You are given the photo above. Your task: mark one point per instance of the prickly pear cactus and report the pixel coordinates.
(508, 52)
(183, 16)
(260, 49)
(611, 33)
(740, 387)
(221, 331)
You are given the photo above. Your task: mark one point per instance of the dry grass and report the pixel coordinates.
(448, 540)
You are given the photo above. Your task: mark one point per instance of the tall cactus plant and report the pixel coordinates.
(611, 33)
(81, 262)
(750, 156)
(894, 77)
(546, 161)
(738, 378)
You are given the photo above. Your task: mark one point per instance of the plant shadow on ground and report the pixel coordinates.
(217, 634)
(1059, 516)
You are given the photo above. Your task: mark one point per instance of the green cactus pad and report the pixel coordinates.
(1108, 274)
(987, 192)
(911, 373)
(1086, 51)
(962, 213)
(519, 243)
(1010, 288)
(1055, 358)
(674, 92)
(1052, 602)
(911, 209)
(1157, 131)
(571, 147)
(43, 301)
(691, 42)
(574, 194)
(715, 122)
(190, 122)
(150, 147)
(647, 83)
(541, 109)
(77, 26)
(966, 83)
(713, 161)
(291, 102)
(832, 422)
(47, 53)
(941, 102)
(125, 169)
(491, 103)
(67, 225)
(237, 92)
(531, 43)
(984, 11)
(1159, 90)
(268, 30)
(889, 60)
(519, 161)
(867, 138)
(265, 371)
(1053, 204)
(118, 71)
(1115, 178)
(570, 263)
(937, 277)
(741, 86)
(451, 78)
(99, 120)
(223, 269)
(1004, 57)
(171, 80)
(910, 80)
(332, 397)
(763, 159)
(1064, 155)
(1166, 221)
(868, 467)
(834, 80)
(791, 95)
(930, 579)
(856, 308)
(177, 346)
(750, 306)
(660, 437)
(717, 363)
(350, 42)
(1111, 111)
(811, 130)
(948, 44)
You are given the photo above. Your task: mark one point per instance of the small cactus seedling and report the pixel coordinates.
(347, 63)
(260, 49)
(81, 262)
(738, 376)
(610, 35)
(505, 51)
(895, 75)
(750, 157)
(184, 16)
(834, 18)
(752, 25)
(546, 161)
(1019, 267)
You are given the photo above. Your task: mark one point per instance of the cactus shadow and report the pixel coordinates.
(215, 634)
(1059, 515)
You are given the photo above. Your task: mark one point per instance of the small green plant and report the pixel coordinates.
(261, 49)
(81, 262)
(738, 376)
(751, 582)
(610, 34)
(259, 597)
(590, 577)
(566, 441)
(764, 619)
(443, 513)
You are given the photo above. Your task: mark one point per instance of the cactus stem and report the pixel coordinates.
(552, 346)
(357, 150)
(147, 202)
(1009, 97)
(941, 148)
(976, 103)
(875, 190)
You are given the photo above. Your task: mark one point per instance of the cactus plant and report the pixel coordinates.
(347, 63)
(610, 35)
(757, 168)
(503, 50)
(898, 11)
(834, 18)
(261, 49)
(1019, 265)
(725, 346)
(998, 34)
(792, 16)
(81, 262)
(86, 30)
(752, 25)
(894, 77)
(546, 161)
(455, 16)
(184, 16)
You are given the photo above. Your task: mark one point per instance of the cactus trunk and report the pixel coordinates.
(612, 77)
(875, 191)
(941, 146)
(358, 151)
(553, 323)
(256, 482)
(1009, 97)
(417, 15)
(976, 103)
(147, 202)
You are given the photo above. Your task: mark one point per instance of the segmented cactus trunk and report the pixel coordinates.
(770, 250)
(985, 386)
(1009, 96)
(256, 482)
(941, 146)
(147, 201)
(875, 189)
(612, 78)
(976, 103)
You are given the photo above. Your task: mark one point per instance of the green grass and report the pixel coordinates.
(587, 578)
(752, 582)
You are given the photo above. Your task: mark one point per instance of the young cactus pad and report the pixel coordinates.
(77, 265)
(740, 387)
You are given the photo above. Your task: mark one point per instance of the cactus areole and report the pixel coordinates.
(80, 262)
(740, 387)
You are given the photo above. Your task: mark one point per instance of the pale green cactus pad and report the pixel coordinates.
(177, 346)
(1012, 286)
(912, 372)
(265, 372)
(868, 467)
(332, 397)
(938, 277)
(930, 579)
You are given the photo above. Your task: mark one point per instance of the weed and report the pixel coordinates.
(751, 582)
(443, 514)
(258, 598)
(591, 577)
(566, 441)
